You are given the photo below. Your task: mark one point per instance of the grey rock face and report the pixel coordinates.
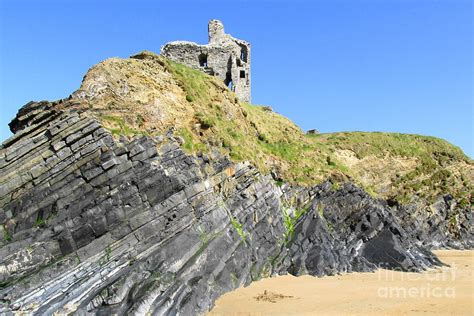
(225, 57)
(95, 225)
(441, 225)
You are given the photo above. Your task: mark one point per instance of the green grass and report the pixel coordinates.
(193, 82)
(206, 237)
(371, 191)
(108, 252)
(378, 143)
(190, 144)
(238, 227)
(106, 257)
(290, 222)
(289, 226)
(205, 121)
(320, 209)
(453, 220)
(428, 179)
(40, 221)
(335, 186)
(234, 279)
(120, 127)
(7, 237)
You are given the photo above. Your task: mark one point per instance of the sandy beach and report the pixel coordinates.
(440, 291)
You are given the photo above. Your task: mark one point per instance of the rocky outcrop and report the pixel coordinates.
(443, 224)
(92, 224)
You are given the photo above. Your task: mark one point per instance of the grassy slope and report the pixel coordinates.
(392, 165)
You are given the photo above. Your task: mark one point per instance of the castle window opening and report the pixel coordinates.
(228, 81)
(242, 74)
(243, 54)
(203, 60)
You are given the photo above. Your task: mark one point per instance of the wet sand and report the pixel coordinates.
(440, 291)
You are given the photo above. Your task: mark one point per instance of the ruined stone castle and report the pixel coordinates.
(225, 57)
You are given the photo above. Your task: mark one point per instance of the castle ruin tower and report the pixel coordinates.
(215, 29)
(224, 56)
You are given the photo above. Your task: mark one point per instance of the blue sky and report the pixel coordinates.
(387, 65)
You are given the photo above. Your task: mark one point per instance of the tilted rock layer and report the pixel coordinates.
(97, 224)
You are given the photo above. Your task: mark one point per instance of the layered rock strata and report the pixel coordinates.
(92, 224)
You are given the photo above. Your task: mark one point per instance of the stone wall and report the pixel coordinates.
(225, 57)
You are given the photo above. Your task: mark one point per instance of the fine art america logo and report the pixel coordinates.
(434, 283)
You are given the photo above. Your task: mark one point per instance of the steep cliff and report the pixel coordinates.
(147, 94)
(149, 190)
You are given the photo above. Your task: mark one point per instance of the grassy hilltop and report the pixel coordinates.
(148, 94)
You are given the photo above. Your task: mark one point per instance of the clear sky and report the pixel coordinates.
(386, 65)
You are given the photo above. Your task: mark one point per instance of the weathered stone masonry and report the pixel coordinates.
(225, 57)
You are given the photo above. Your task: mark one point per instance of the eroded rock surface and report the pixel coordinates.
(92, 224)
